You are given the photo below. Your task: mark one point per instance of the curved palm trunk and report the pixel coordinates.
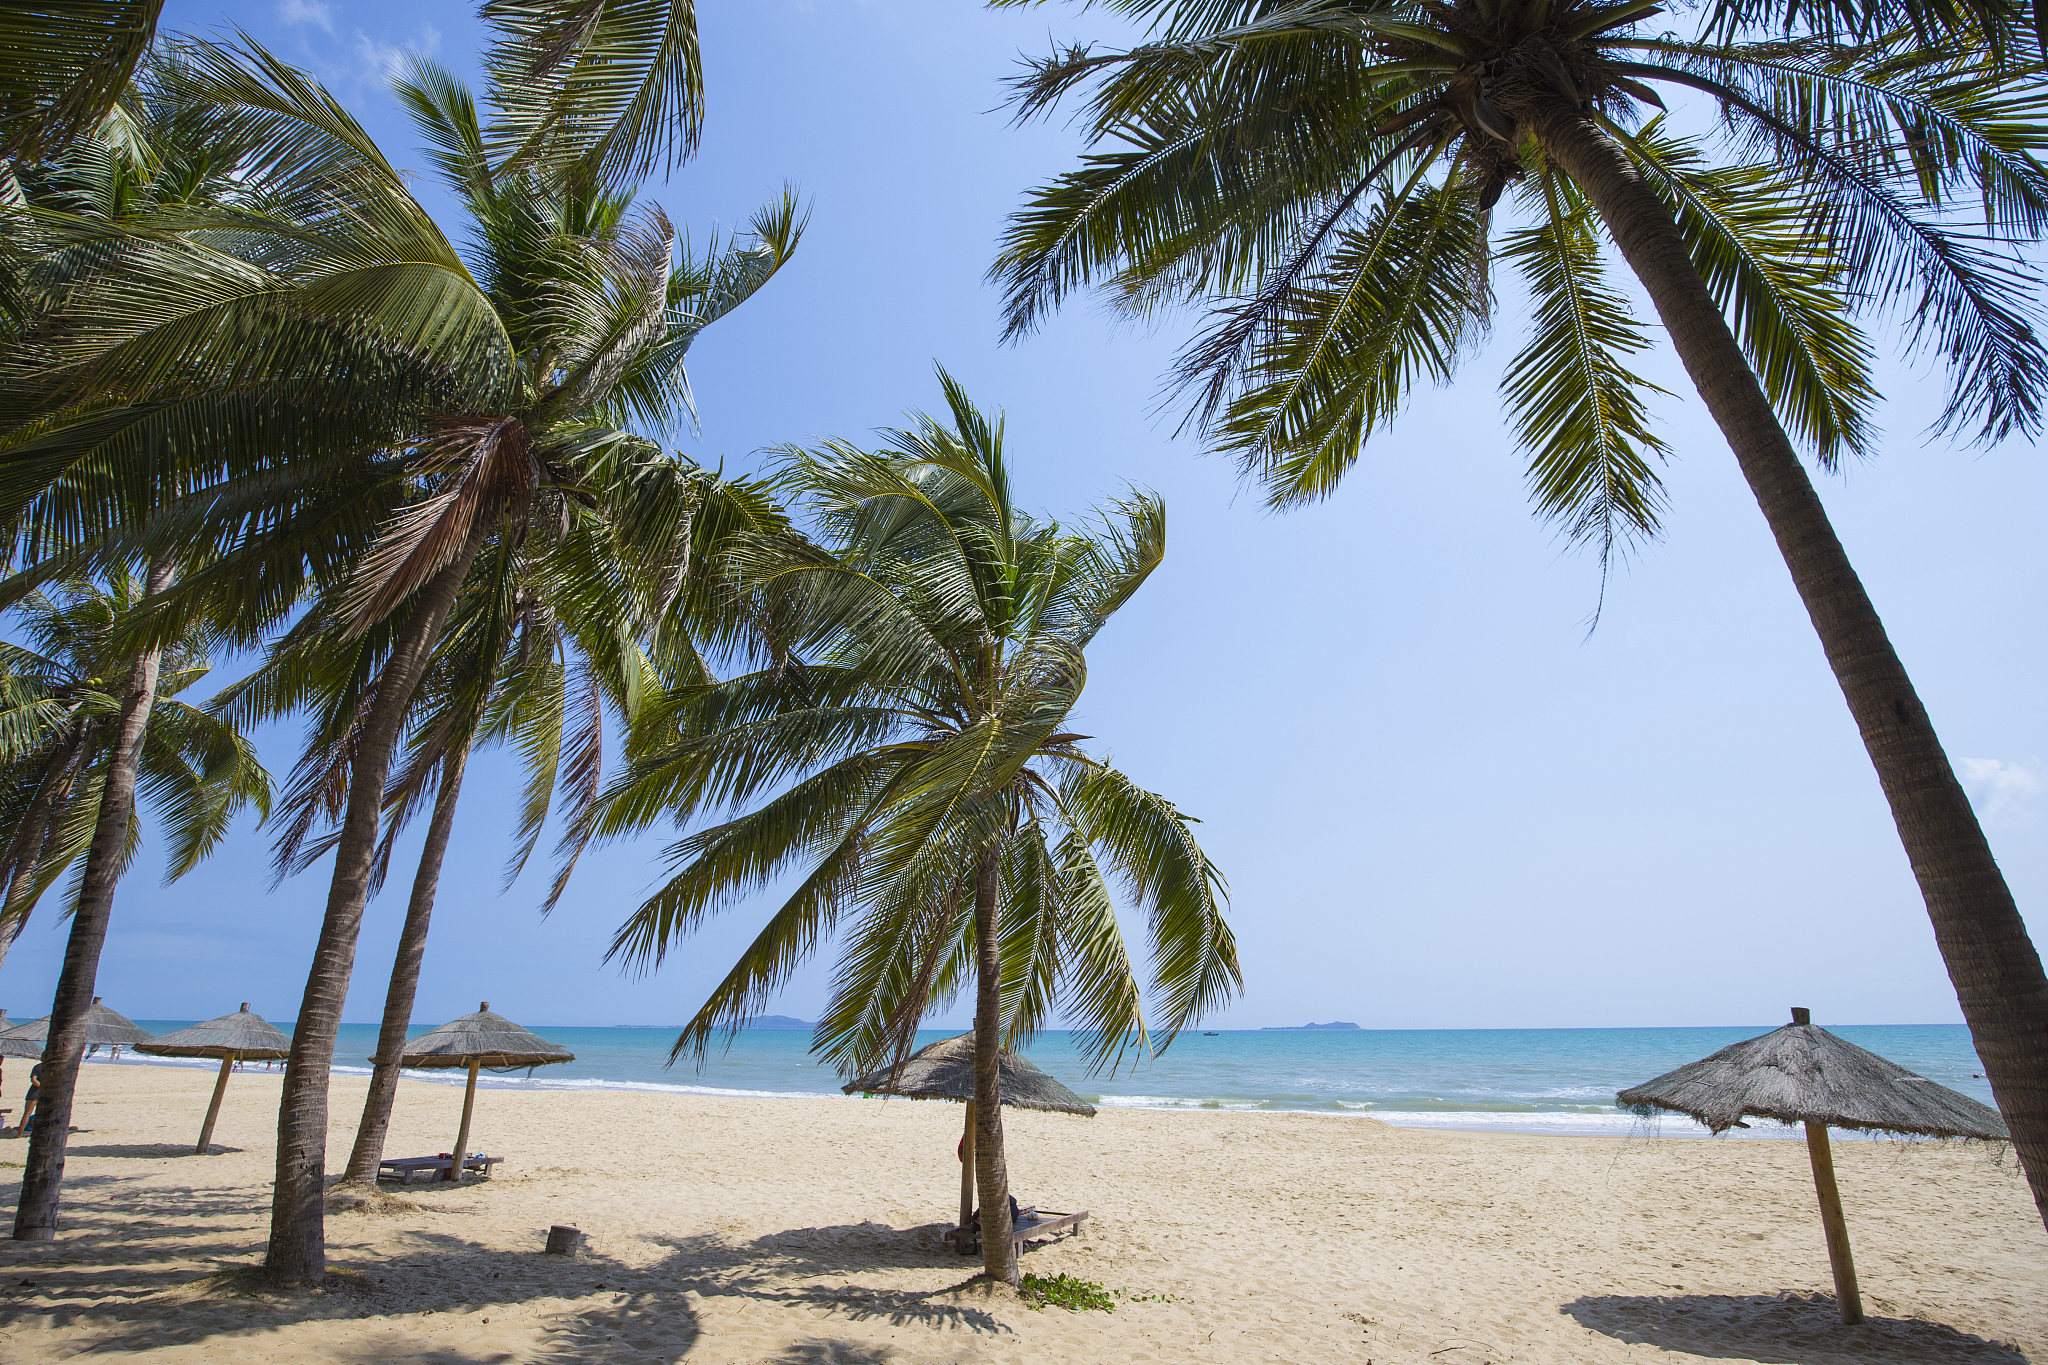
(405, 979)
(35, 1214)
(31, 838)
(1991, 960)
(991, 1175)
(297, 1252)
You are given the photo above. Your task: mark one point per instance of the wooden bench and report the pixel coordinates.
(1030, 1224)
(404, 1168)
(1044, 1223)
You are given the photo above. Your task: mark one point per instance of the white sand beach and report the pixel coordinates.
(737, 1232)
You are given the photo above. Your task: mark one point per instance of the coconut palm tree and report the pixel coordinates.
(908, 751)
(153, 160)
(106, 723)
(542, 645)
(62, 689)
(376, 351)
(1327, 170)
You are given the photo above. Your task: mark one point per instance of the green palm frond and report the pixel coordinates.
(614, 88)
(1776, 281)
(1577, 407)
(1403, 295)
(63, 64)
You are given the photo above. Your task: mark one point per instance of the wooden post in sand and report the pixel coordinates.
(967, 1173)
(454, 1172)
(220, 1088)
(1823, 1158)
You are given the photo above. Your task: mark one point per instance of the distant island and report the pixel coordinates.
(784, 1021)
(1296, 1028)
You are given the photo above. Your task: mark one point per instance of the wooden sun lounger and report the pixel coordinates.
(404, 1168)
(1044, 1223)
(1030, 1225)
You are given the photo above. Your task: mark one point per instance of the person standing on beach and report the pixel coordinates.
(28, 1103)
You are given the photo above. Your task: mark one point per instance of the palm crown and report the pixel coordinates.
(913, 748)
(457, 387)
(1330, 169)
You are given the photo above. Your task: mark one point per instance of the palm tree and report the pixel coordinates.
(1328, 169)
(911, 741)
(378, 355)
(541, 645)
(105, 722)
(153, 159)
(62, 691)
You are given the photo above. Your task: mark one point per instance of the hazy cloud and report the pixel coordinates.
(381, 61)
(306, 12)
(2002, 790)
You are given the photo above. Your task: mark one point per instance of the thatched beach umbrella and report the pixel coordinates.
(21, 1047)
(237, 1037)
(103, 1028)
(945, 1071)
(476, 1041)
(1801, 1073)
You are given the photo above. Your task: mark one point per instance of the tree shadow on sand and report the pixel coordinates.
(142, 1284)
(155, 1151)
(1778, 1329)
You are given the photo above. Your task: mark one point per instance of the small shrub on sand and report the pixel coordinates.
(1065, 1291)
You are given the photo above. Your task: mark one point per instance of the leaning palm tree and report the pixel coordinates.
(107, 724)
(62, 686)
(908, 752)
(154, 160)
(1328, 170)
(544, 643)
(462, 389)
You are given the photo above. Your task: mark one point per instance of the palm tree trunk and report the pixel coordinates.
(297, 1253)
(991, 1175)
(35, 1214)
(1992, 962)
(405, 978)
(31, 838)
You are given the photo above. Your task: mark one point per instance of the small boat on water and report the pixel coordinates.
(1212, 1035)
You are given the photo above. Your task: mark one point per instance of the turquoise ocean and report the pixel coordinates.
(1509, 1080)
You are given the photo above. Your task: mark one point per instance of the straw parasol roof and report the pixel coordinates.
(102, 1026)
(241, 1035)
(18, 1047)
(1802, 1073)
(945, 1071)
(485, 1038)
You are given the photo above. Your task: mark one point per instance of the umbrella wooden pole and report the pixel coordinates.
(1823, 1158)
(220, 1087)
(967, 1171)
(454, 1172)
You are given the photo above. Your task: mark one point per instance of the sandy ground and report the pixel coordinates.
(736, 1232)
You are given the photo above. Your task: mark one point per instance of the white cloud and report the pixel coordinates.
(305, 12)
(2001, 790)
(381, 61)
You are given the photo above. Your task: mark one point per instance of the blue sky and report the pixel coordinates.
(1440, 801)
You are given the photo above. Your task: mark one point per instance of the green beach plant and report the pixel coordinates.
(1326, 174)
(906, 753)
